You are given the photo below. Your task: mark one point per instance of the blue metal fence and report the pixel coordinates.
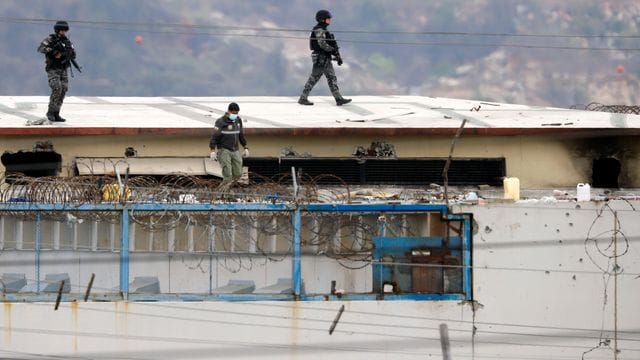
(296, 210)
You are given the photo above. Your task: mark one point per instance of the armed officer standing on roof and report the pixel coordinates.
(323, 47)
(59, 56)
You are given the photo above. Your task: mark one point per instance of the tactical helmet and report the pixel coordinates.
(61, 25)
(323, 15)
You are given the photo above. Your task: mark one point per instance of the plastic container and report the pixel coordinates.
(511, 188)
(584, 192)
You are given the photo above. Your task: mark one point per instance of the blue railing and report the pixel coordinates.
(295, 209)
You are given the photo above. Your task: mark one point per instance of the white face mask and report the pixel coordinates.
(233, 117)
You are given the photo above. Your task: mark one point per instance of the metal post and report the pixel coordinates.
(88, 291)
(273, 238)
(615, 285)
(211, 236)
(2, 232)
(444, 342)
(337, 238)
(315, 234)
(38, 245)
(124, 253)
(296, 248)
(75, 236)
(295, 182)
(382, 225)
(336, 319)
(253, 235)
(466, 258)
(445, 171)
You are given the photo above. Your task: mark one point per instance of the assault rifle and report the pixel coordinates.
(75, 65)
(336, 57)
(67, 52)
(336, 53)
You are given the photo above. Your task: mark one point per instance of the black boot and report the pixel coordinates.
(341, 101)
(59, 118)
(51, 116)
(304, 101)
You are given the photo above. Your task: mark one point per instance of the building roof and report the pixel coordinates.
(374, 115)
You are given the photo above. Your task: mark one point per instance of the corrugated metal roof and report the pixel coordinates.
(282, 115)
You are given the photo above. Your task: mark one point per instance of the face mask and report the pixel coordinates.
(233, 117)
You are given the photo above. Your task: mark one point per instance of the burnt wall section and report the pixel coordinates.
(608, 162)
(35, 163)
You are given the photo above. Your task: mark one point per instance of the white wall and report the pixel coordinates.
(529, 305)
(535, 265)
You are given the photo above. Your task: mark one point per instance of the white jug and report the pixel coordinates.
(584, 192)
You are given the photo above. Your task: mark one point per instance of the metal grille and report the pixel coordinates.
(411, 171)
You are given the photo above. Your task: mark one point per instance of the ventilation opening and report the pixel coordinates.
(407, 171)
(605, 173)
(323, 171)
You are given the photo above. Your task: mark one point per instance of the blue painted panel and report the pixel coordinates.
(397, 250)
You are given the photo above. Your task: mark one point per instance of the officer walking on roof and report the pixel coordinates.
(323, 47)
(59, 54)
(228, 133)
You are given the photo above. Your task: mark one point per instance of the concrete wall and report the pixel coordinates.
(540, 284)
(546, 161)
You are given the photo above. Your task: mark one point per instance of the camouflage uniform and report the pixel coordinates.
(59, 52)
(323, 46)
(322, 65)
(59, 84)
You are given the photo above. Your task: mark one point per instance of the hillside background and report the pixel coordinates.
(401, 47)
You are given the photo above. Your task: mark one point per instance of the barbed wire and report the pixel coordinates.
(234, 233)
(618, 109)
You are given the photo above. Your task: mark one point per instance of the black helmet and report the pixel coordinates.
(323, 15)
(61, 25)
(233, 107)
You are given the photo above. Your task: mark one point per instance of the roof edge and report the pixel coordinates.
(121, 131)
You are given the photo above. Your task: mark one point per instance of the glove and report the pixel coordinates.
(245, 153)
(214, 155)
(339, 58)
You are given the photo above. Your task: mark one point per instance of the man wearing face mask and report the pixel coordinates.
(228, 133)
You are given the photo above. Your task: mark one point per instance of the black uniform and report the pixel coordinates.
(323, 47)
(227, 135)
(59, 52)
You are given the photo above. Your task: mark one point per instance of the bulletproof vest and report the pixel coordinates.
(313, 42)
(60, 44)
